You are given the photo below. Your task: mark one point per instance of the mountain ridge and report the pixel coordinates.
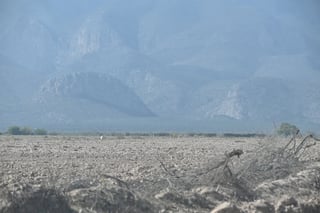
(247, 61)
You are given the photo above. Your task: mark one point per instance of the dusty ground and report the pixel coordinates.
(155, 174)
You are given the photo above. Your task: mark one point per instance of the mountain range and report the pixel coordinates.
(152, 65)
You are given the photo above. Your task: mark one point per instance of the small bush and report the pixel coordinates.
(40, 132)
(162, 134)
(26, 131)
(14, 130)
(287, 129)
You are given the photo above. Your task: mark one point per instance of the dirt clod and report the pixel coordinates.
(261, 206)
(108, 200)
(226, 207)
(286, 205)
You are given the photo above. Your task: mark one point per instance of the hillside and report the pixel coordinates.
(245, 61)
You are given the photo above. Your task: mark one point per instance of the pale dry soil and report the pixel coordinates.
(147, 174)
(59, 158)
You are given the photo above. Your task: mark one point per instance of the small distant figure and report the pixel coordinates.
(101, 137)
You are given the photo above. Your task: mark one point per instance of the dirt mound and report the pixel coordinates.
(30, 199)
(188, 200)
(284, 205)
(35, 200)
(108, 200)
(301, 185)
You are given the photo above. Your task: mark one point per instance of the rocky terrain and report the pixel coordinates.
(176, 173)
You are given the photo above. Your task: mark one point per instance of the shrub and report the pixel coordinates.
(14, 130)
(287, 129)
(26, 131)
(40, 132)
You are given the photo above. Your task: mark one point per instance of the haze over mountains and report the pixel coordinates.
(152, 65)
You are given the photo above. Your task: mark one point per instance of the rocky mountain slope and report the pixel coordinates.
(96, 89)
(246, 61)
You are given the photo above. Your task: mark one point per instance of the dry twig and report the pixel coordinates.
(293, 139)
(164, 168)
(121, 183)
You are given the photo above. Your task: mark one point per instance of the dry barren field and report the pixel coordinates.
(159, 174)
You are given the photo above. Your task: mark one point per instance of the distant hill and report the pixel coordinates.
(87, 96)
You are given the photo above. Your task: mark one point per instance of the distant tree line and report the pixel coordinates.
(173, 134)
(16, 130)
(285, 129)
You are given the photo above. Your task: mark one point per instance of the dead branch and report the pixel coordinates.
(306, 147)
(166, 170)
(303, 146)
(291, 140)
(224, 163)
(303, 142)
(121, 183)
(226, 167)
(170, 183)
(235, 152)
(171, 174)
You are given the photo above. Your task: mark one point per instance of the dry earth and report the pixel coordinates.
(158, 174)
